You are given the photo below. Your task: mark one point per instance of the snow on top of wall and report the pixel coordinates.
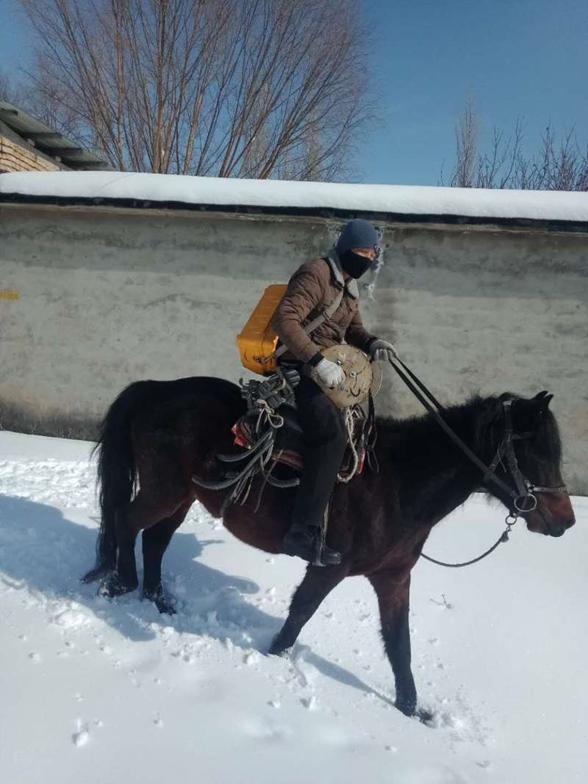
(389, 199)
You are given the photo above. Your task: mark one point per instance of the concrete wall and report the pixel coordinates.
(109, 296)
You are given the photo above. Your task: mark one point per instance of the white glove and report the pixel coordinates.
(330, 374)
(382, 350)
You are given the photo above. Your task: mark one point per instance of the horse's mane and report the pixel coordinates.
(480, 422)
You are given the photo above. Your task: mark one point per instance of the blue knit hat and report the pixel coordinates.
(358, 233)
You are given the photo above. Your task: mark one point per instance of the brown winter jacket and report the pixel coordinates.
(312, 288)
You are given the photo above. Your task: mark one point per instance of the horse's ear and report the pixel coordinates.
(543, 399)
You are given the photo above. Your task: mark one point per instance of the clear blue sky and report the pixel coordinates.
(516, 57)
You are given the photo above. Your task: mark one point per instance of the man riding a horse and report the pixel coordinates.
(162, 444)
(312, 288)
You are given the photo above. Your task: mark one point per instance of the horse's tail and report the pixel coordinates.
(116, 474)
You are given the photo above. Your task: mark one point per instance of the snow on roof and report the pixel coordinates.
(268, 194)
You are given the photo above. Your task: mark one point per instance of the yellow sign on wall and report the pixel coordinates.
(9, 294)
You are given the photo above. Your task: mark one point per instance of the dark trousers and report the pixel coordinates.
(325, 439)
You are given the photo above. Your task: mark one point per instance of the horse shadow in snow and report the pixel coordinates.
(44, 553)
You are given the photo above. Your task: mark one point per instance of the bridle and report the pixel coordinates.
(525, 491)
(523, 497)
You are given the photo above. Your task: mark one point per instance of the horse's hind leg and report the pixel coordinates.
(155, 542)
(143, 512)
(318, 582)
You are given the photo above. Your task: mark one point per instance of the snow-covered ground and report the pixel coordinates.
(99, 691)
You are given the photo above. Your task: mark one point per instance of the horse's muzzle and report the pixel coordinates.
(559, 529)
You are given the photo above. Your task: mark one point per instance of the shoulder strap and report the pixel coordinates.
(315, 323)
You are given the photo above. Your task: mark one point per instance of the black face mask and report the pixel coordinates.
(354, 264)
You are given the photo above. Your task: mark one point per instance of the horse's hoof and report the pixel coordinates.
(277, 648)
(95, 574)
(113, 586)
(165, 604)
(425, 716)
(408, 707)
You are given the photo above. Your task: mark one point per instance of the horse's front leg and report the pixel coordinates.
(317, 583)
(393, 591)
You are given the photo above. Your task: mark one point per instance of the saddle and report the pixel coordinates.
(271, 438)
(288, 446)
(271, 405)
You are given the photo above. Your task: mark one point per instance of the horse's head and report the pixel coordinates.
(528, 460)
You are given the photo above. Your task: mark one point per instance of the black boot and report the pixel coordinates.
(305, 541)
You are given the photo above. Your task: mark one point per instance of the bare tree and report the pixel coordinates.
(466, 141)
(49, 110)
(498, 167)
(557, 165)
(250, 88)
(7, 91)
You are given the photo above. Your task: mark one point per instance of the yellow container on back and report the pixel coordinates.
(257, 340)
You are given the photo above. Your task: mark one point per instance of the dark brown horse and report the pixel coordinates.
(157, 435)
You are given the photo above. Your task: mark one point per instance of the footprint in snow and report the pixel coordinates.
(251, 658)
(82, 735)
(309, 702)
(303, 670)
(266, 730)
(80, 738)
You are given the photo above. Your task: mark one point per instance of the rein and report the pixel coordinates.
(510, 521)
(523, 498)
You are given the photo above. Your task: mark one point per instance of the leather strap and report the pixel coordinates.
(314, 324)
